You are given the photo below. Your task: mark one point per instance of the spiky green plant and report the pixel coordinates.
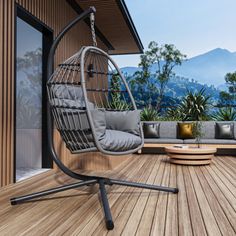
(149, 114)
(224, 114)
(195, 106)
(173, 114)
(116, 102)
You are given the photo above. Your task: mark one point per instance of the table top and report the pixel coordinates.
(190, 150)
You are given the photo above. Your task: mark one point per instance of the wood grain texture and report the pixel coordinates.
(205, 204)
(162, 145)
(53, 13)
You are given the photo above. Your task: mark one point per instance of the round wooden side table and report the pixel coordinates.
(190, 155)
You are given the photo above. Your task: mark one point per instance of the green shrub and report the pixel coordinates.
(149, 114)
(224, 114)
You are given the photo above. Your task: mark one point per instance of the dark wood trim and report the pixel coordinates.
(125, 12)
(76, 7)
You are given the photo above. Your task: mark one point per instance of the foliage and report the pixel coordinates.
(27, 115)
(195, 106)
(117, 103)
(197, 132)
(141, 81)
(29, 90)
(229, 98)
(31, 65)
(224, 114)
(149, 114)
(173, 114)
(165, 58)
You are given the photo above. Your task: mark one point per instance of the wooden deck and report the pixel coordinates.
(205, 204)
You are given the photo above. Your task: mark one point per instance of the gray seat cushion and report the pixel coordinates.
(211, 141)
(163, 140)
(119, 141)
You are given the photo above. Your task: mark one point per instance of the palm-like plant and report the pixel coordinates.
(225, 114)
(173, 114)
(195, 106)
(149, 114)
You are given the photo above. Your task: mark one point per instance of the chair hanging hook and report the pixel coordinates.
(92, 26)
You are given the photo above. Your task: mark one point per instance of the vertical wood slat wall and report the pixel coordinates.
(55, 14)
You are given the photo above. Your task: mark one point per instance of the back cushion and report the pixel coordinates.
(168, 129)
(230, 122)
(208, 129)
(126, 121)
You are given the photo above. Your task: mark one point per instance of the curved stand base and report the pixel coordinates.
(104, 200)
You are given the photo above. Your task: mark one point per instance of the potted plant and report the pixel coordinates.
(197, 132)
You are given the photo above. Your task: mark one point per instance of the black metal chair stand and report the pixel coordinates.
(102, 182)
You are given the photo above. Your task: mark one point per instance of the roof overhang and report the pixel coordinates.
(114, 25)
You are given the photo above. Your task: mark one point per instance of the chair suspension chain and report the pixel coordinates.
(92, 26)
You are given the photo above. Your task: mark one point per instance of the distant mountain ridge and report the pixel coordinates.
(208, 68)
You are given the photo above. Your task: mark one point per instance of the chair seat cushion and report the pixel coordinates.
(119, 141)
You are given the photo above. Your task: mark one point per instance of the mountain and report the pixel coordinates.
(209, 68)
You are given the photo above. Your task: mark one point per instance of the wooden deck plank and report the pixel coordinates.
(116, 208)
(134, 219)
(205, 204)
(208, 217)
(222, 183)
(224, 225)
(113, 196)
(171, 227)
(184, 220)
(88, 207)
(145, 223)
(228, 181)
(198, 225)
(228, 168)
(126, 211)
(221, 168)
(231, 160)
(159, 220)
(226, 206)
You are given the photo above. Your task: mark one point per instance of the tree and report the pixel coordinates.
(142, 80)
(229, 98)
(165, 57)
(31, 65)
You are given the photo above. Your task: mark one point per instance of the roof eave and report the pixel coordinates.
(130, 24)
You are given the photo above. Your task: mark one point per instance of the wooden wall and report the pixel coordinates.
(55, 14)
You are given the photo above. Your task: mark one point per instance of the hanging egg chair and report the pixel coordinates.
(90, 103)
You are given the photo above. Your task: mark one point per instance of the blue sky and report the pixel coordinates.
(195, 27)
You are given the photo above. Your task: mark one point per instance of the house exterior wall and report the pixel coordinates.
(55, 14)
